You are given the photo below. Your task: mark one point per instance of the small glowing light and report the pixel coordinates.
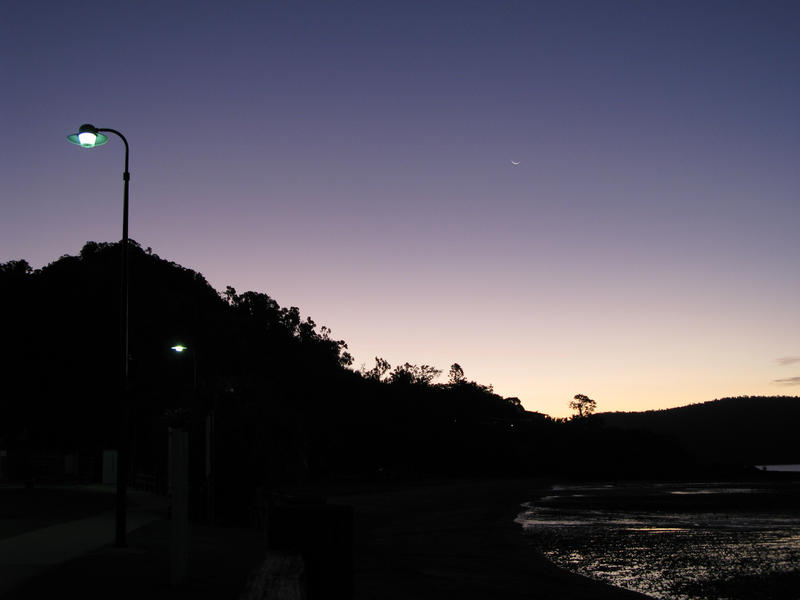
(87, 138)
(178, 348)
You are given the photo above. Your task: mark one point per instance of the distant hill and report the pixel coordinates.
(742, 430)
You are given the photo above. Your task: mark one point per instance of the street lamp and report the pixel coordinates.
(179, 479)
(89, 136)
(180, 348)
(209, 433)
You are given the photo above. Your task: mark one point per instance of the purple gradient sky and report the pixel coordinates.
(353, 159)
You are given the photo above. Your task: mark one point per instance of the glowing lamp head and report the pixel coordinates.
(87, 137)
(179, 348)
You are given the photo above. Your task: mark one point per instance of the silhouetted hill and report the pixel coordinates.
(286, 405)
(260, 366)
(743, 430)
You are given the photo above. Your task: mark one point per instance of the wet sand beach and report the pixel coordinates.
(682, 540)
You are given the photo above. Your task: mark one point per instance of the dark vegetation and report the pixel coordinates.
(288, 405)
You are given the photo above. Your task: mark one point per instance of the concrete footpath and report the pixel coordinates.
(55, 548)
(28, 554)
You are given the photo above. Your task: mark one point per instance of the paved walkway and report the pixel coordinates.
(24, 556)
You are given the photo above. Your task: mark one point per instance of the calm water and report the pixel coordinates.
(680, 541)
(784, 468)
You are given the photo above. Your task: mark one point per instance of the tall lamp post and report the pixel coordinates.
(89, 136)
(180, 348)
(179, 480)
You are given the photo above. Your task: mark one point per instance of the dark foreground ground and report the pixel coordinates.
(454, 540)
(457, 541)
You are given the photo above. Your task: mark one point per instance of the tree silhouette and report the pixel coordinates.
(413, 374)
(456, 374)
(583, 406)
(15, 268)
(381, 367)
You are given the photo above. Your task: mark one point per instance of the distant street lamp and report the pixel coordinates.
(89, 136)
(179, 478)
(180, 348)
(209, 433)
(179, 484)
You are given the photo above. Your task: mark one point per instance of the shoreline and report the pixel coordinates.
(456, 540)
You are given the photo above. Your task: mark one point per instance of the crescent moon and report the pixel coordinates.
(515, 162)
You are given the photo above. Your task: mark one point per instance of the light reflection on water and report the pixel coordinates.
(675, 542)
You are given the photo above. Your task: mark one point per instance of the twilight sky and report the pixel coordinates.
(353, 158)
